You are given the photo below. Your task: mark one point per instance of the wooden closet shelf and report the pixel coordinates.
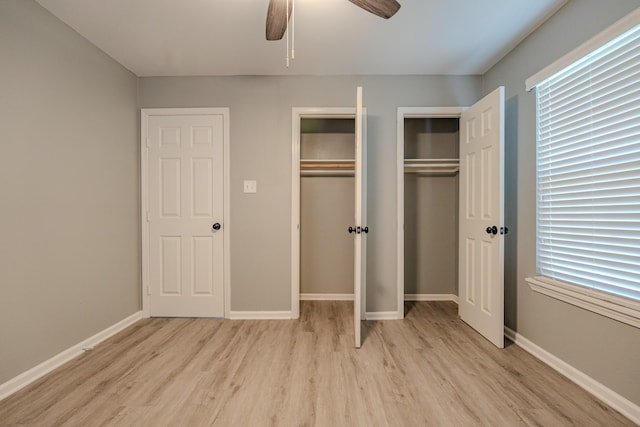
(327, 164)
(327, 167)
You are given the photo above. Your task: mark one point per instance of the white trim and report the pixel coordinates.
(383, 315)
(616, 307)
(326, 297)
(260, 315)
(608, 396)
(144, 227)
(618, 28)
(33, 374)
(226, 220)
(226, 257)
(297, 113)
(431, 297)
(403, 113)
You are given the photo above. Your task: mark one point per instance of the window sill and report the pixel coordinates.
(625, 310)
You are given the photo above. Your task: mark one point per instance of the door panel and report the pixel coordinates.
(185, 198)
(360, 290)
(481, 302)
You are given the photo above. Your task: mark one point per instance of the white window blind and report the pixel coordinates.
(588, 163)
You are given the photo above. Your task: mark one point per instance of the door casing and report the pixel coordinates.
(405, 113)
(297, 114)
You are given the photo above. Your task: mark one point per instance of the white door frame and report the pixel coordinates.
(297, 114)
(403, 113)
(144, 193)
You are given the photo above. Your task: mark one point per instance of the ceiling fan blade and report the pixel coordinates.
(277, 18)
(382, 8)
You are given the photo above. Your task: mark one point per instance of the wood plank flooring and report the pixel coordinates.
(427, 370)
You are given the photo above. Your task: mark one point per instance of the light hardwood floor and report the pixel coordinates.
(429, 369)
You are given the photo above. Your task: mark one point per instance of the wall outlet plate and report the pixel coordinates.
(250, 186)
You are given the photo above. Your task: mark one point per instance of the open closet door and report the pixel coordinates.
(481, 264)
(361, 230)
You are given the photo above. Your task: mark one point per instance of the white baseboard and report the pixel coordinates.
(382, 315)
(608, 396)
(431, 297)
(60, 359)
(326, 297)
(260, 315)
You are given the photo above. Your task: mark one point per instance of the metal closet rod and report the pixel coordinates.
(432, 166)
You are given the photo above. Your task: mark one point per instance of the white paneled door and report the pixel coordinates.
(184, 202)
(481, 250)
(361, 229)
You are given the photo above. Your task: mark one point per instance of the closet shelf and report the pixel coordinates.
(432, 166)
(327, 164)
(327, 167)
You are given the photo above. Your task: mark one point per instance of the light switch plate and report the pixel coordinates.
(250, 186)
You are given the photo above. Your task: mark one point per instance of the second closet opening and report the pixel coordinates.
(430, 208)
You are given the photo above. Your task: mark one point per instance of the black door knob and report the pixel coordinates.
(216, 226)
(492, 230)
(358, 230)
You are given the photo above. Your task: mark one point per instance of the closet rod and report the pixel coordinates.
(431, 161)
(433, 171)
(427, 166)
(432, 166)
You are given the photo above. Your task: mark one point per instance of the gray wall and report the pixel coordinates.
(604, 349)
(261, 150)
(69, 251)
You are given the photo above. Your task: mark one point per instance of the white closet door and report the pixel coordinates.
(185, 214)
(360, 288)
(481, 250)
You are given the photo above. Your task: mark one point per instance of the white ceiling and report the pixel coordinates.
(332, 37)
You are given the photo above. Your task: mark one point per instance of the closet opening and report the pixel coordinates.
(327, 192)
(428, 205)
(323, 205)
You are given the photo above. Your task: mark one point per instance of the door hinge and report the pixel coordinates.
(148, 143)
(147, 216)
(148, 290)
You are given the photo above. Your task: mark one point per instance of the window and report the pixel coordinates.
(588, 178)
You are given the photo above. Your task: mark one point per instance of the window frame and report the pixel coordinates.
(611, 305)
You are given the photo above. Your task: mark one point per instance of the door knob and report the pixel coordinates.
(216, 226)
(492, 230)
(358, 230)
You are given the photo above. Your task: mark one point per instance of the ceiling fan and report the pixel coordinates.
(278, 15)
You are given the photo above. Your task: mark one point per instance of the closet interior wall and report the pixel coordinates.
(327, 194)
(431, 207)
